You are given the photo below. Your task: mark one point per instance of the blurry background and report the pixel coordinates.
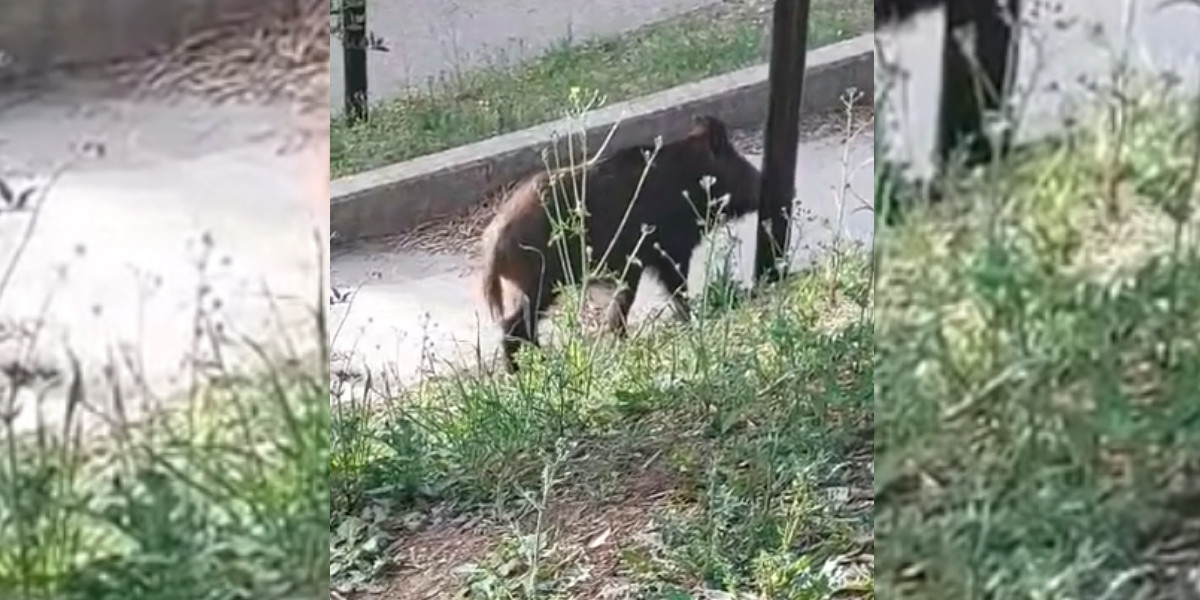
(1067, 46)
(155, 136)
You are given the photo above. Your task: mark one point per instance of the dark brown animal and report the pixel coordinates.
(636, 216)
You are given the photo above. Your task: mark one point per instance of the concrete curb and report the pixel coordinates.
(402, 196)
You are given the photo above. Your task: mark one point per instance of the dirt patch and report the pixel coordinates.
(583, 532)
(427, 559)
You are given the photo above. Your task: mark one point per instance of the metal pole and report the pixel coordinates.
(354, 58)
(973, 86)
(782, 133)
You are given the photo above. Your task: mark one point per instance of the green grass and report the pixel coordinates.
(487, 102)
(1037, 369)
(230, 502)
(728, 440)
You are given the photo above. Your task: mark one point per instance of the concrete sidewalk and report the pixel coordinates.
(417, 312)
(112, 268)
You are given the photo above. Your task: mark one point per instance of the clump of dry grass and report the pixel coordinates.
(451, 234)
(256, 56)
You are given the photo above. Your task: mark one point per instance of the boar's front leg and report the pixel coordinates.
(617, 316)
(674, 275)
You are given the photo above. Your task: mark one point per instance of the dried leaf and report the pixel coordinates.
(600, 540)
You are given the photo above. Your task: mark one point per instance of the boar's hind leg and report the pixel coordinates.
(518, 329)
(618, 309)
(521, 327)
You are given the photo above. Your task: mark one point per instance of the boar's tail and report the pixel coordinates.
(493, 289)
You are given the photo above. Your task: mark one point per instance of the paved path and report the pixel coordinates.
(428, 38)
(418, 311)
(110, 267)
(1164, 40)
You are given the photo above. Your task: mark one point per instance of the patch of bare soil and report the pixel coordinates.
(585, 532)
(426, 560)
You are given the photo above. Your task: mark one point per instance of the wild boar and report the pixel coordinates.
(643, 207)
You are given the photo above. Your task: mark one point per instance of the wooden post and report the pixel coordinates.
(354, 58)
(975, 85)
(778, 189)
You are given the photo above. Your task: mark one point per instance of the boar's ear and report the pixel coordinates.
(711, 132)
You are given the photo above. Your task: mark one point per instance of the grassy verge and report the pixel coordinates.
(1038, 369)
(223, 498)
(487, 102)
(732, 453)
(229, 503)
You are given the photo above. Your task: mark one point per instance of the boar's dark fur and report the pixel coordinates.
(636, 217)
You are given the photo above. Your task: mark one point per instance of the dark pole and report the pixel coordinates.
(967, 94)
(354, 57)
(786, 86)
